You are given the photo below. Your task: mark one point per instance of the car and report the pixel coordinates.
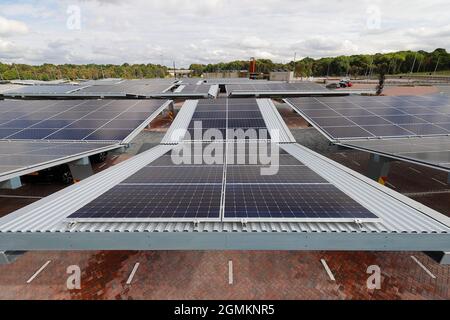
(344, 83)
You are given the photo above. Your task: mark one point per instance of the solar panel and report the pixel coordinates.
(241, 119)
(73, 119)
(275, 87)
(21, 155)
(155, 202)
(432, 151)
(166, 191)
(284, 174)
(183, 174)
(42, 89)
(283, 202)
(376, 116)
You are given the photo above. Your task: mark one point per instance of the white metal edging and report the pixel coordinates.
(214, 90)
(274, 121)
(177, 130)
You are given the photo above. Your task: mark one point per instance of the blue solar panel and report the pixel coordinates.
(347, 132)
(111, 119)
(424, 129)
(387, 131)
(108, 134)
(163, 202)
(70, 134)
(377, 116)
(4, 133)
(281, 202)
(87, 124)
(34, 134)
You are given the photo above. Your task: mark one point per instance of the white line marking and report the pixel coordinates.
(327, 269)
(39, 271)
(114, 157)
(415, 170)
(356, 162)
(230, 272)
(423, 267)
(444, 184)
(391, 185)
(133, 272)
(102, 165)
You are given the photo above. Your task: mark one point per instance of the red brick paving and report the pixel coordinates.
(204, 275)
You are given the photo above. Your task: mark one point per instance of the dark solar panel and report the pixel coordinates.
(70, 119)
(374, 116)
(163, 202)
(282, 202)
(16, 155)
(282, 174)
(243, 124)
(183, 174)
(433, 151)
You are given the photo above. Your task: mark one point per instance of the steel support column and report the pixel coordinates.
(378, 169)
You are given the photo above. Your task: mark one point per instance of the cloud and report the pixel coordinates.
(12, 27)
(209, 31)
(325, 46)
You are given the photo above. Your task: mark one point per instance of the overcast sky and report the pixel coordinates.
(209, 31)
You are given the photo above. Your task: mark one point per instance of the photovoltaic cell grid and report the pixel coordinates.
(162, 191)
(236, 119)
(434, 151)
(116, 88)
(43, 89)
(130, 87)
(280, 202)
(275, 87)
(157, 202)
(88, 120)
(356, 117)
(15, 155)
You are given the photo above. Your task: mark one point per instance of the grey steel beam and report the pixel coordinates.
(223, 241)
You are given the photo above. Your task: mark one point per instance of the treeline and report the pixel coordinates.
(355, 65)
(90, 71)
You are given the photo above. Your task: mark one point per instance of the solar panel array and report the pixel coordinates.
(15, 155)
(99, 88)
(434, 151)
(275, 87)
(145, 87)
(87, 120)
(43, 89)
(360, 117)
(164, 190)
(226, 119)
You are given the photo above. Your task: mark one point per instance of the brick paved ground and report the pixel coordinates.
(204, 275)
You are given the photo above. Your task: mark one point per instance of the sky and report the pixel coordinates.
(211, 31)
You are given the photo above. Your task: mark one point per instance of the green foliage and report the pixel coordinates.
(89, 71)
(355, 65)
(401, 62)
